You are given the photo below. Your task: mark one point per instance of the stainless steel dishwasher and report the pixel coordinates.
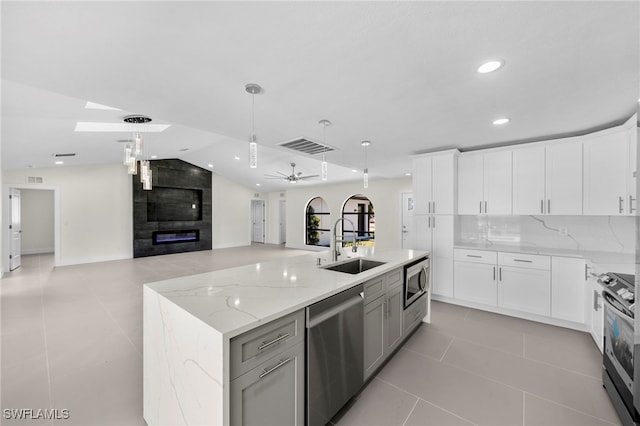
(335, 332)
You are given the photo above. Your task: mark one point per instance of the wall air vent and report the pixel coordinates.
(71, 154)
(306, 146)
(34, 179)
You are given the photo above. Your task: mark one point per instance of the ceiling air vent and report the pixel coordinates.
(71, 154)
(34, 179)
(306, 146)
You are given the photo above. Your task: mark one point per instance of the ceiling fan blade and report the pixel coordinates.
(282, 174)
(308, 177)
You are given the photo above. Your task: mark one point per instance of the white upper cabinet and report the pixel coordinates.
(434, 183)
(609, 172)
(484, 183)
(548, 179)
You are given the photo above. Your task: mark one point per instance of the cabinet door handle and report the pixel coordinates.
(494, 273)
(266, 372)
(480, 207)
(474, 255)
(631, 200)
(434, 206)
(485, 207)
(548, 206)
(620, 206)
(523, 260)
(499, 274)
(280, 337)
(541, 206)
(429, 206)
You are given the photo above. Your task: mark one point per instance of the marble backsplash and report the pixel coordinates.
(583, 233)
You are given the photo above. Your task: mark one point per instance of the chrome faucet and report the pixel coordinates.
(336, 250)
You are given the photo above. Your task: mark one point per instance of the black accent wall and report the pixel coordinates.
(179, 203)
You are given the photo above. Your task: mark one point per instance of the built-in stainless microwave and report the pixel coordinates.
(416, 280)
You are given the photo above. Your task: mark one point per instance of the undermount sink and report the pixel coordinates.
(354, 266)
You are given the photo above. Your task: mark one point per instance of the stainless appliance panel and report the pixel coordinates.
(335, 354)
(416, 280)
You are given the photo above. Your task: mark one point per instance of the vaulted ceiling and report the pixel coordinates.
(400, 74)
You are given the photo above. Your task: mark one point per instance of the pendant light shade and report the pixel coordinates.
(365, 177)
(134, 153)
(324, 168)
(253, 144)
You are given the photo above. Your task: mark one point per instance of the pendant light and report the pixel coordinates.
(365, 144)
(253, 145)
(324, 171)
(135, 152)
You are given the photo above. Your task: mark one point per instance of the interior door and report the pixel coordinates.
(257, 207)
(15, 230)
(283, 222)
(408, 240)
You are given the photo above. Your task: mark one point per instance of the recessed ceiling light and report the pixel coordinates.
(490, 66)
(210, 166)
(501, 121)
(354, 170)
(93, 105)
(153, 157)
(257, 184)
(408, 174)
(88, 126)
(236, 158)
(59, 162)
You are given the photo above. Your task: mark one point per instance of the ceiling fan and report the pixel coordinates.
(293, 177)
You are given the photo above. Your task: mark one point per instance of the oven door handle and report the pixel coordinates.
(614, 304)
(425, 271)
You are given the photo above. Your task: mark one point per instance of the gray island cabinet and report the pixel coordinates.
(228, 347)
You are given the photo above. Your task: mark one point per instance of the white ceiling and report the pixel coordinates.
(401, 74)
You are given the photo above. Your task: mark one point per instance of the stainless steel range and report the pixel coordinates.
(618, 355)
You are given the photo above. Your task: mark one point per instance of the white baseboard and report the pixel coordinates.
(37, 251)
(83, 260)
(231, 245)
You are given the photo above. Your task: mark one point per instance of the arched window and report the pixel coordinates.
(359, 210)
(317, 223)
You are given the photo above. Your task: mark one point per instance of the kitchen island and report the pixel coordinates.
(189, 323)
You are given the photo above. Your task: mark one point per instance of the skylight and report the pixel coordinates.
(93, 105)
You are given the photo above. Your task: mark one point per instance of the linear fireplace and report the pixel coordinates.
(171, 237)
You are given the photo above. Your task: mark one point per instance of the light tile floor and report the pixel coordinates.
(71, 338)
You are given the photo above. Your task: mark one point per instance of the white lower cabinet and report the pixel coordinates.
(549, 286)
(475, 282)
(597, 314)
(567, 288)
(523, 289)
(272, 393)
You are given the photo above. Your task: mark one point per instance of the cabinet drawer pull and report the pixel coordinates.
(631, 200)
(541, 206)
(523, 260)
(548, 206)
(265, 345)
(474, 255)
(620, 207)
(266, 372)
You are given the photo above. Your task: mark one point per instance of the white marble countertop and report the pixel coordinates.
(621, 258)
(236, 300)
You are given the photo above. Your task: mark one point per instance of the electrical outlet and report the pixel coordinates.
(562, 231)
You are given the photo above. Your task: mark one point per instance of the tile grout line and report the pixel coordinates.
(422, 399)
(524, 422)
(44, 333)
(447, 350)
(415, 404)
(118, 326)
(569, 408)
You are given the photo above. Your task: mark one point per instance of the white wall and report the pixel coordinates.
(37, 221)
(231, 224)
(273, 216)
(385, 195)
(95, 210)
